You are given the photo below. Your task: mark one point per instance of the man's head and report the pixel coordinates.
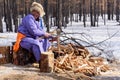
(37, 10)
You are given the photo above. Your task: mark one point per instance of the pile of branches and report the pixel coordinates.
(77, 59)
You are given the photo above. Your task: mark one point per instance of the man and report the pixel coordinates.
(31, 35)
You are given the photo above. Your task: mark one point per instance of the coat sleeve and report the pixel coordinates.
(33, 28)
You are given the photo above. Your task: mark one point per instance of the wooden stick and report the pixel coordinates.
(65, 57)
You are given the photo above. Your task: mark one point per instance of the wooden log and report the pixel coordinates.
(23, 57)
(4, 54)
(97, 60)
(65, 57)
(4, 49)
(47, 62)
(2, 59)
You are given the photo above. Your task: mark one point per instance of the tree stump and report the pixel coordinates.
(23, 57)
(47, 62)
(5, 54)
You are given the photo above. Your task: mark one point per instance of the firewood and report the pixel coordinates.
(82, 76)
(35, 65)
(62, 61)
(58, 70)
(79, 68)
(104, 68)
(96, 59)
(78, 60)
(60, 52)
(68, 68)
(71, 63)
(81, 50)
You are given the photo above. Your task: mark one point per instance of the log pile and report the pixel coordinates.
(77, 59)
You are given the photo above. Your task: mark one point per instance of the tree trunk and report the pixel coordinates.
(94, 24)
(84, 13)
(80, 11)
(117, 10)
(59, 12)
(1, 27)
(104, 14)
(91, 13)
(98, 12)
(108, 10)
(7, 11)
(112, 10)
(46, 7)
(15, 16)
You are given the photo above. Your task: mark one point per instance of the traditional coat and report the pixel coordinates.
(32, 30)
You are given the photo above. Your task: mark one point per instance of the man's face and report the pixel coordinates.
(36, 14)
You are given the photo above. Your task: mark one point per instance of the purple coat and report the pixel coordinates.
(32, 29)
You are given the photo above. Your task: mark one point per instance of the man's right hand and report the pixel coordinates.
(47, 35)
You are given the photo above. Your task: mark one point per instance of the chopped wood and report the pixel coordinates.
(62, 61)
(78, 60)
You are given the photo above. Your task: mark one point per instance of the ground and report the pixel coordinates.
(13, 72)
(113, 74)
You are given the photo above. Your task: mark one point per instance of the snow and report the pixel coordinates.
(6, 38)
(109, 32)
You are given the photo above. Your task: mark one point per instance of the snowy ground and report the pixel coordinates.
(108, 37)
(6, 39)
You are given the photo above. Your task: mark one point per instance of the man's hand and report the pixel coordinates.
(47, 35)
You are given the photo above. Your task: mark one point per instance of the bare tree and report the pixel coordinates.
(84, 13)
(59, 12)
(80, 10)
(117, 10)
(15, 15)
(7, 14)
(1, 15)
(46, 7)
(108, 9)
(91, 12)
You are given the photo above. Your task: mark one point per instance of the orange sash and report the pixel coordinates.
(17, 44)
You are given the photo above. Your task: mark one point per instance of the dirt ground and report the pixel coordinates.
(28, 72)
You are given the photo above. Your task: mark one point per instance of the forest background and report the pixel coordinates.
(59, 12)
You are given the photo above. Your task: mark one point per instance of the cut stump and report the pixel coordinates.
(5, 56)
(47, 62)
(23, 57)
